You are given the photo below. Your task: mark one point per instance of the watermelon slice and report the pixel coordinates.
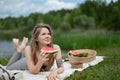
(78, 53)
(49, 50)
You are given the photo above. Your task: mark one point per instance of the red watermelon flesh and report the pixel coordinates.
(49, 50)
(78, 53)
(75, 52)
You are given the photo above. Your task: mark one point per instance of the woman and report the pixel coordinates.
(38, 60)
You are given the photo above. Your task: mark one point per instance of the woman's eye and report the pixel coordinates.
(43, 34)
(48, 33)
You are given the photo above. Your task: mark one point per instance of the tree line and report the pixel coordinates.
(92, 14)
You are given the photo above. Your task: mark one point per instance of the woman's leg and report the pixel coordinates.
(18, 65)
(17, 61)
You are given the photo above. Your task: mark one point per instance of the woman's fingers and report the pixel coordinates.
(42, 53)
(43, 56)
(52, 76)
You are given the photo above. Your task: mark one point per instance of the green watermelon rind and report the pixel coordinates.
(51, 52)
(84, 54)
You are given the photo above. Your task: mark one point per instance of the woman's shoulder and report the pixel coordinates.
(56, 46)
(27, 47)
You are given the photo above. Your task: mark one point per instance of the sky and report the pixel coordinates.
(16, 8)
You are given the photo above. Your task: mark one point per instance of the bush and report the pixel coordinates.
(84, 22)
(65, 26)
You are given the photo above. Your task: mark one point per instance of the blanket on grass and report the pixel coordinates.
(67, 67)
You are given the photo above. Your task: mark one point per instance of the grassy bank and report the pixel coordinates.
(92, 39)
(4, 61)
(105, 43)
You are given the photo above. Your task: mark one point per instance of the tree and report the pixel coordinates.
(84, 22)
(65, 26)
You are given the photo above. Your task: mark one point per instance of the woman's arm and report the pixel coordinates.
(54, 74)
(34, 69)
(59, 61)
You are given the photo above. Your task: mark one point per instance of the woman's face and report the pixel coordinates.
(44, 37)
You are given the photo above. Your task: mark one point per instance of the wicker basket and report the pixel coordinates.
(77, 62)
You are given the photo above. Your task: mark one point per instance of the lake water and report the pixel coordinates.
(7, 49)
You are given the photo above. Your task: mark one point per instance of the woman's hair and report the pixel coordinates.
(34, 44)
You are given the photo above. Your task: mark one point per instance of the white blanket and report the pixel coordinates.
(66, 73)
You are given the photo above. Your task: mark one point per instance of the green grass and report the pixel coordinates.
(76, 39)
(4, 61)
(109, 69)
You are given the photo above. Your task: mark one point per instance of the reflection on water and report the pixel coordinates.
(6, 48)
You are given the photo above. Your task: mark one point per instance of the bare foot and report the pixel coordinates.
(23, 44)
(16, 43)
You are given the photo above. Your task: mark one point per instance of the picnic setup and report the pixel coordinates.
(77, 60)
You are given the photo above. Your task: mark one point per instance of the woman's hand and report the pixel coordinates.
(53, 76)
(43, 57)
